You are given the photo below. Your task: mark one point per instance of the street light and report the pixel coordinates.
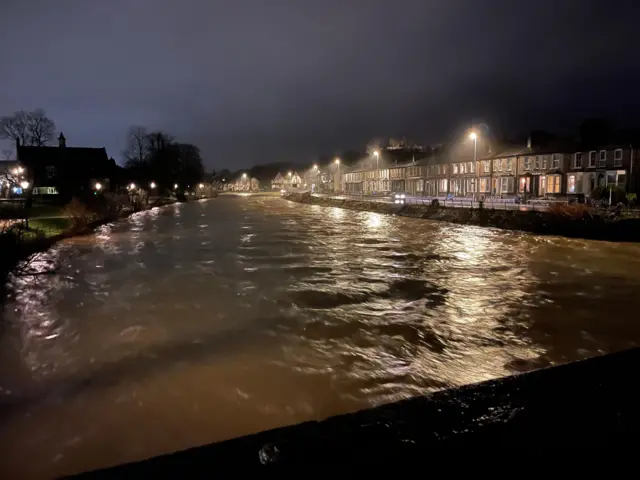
(376, 154)
(175, 186)
(338, 176)
(152, 184)
(98, 186)
(24, 185)
(244, 176)
(131, 186)
(201, 185)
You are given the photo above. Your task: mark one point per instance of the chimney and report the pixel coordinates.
(62, 142)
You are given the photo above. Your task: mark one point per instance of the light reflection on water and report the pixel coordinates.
(204, 321)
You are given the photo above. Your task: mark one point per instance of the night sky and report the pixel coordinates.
(255, 81)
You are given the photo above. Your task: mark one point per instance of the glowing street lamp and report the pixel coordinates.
(98, 186)
(201, 185)
(244, 176)
(24, 185)
(175, 186)
(474, 136)
(337, 161)
(152, 185)
(315, 167)
(131, 186)
(376, 154)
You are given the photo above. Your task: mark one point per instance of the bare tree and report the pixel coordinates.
(14, 127)
(40, 128)
(30, 128)
(136, 152)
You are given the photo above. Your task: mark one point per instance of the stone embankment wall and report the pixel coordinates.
(592, 226)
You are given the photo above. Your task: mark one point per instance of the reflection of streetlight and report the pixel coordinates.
(98, 186)
(152, 184)
(24, 185)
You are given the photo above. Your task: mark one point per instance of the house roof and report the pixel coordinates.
(47, 155)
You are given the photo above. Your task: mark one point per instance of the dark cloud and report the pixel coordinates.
(254, 80)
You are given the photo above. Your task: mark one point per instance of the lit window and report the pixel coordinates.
(455, 168)
(487, 166)
(571, 184)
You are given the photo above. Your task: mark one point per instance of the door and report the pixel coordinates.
(542, 186)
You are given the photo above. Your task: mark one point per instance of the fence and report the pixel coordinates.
(455, 202)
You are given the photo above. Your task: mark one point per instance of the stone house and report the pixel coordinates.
(541, 173)
(604, 166)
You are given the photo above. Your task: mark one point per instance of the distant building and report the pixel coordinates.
(65, 170)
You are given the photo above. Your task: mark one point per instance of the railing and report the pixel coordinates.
(449, 202)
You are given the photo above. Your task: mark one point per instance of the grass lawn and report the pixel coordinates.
(50, 227)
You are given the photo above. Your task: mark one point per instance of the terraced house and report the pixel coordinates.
(605, 166)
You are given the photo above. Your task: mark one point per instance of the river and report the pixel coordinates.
(204, 321)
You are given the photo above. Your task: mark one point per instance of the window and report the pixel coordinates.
(496, 165)
(577, 160)
(509, 164)
(527, 163)
(462, 168)
(484, 185)
(51, 171)
(455, 168)
(617, 158)
(542, 186)
(555, 162)
(487, 166)
(545, 161)
(571, 184)
(553, 183)
(592, 159)
(471, 185)
(506, 185)
(471, 167)
(603, 158)
(538, 162)
(443, 185)
(524, 184)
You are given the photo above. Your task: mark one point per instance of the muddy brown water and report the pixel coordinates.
(205, 321)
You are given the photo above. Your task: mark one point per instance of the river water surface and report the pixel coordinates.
(204, 321)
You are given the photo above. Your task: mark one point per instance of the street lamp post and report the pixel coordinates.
(338, 175)
(474, 136)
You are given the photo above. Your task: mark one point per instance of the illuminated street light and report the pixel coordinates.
(152, 184)
(201, 185)
(98, 186)
(473, 136)
(289, 174)
(338, 176)
(376, 154)
(244, 176)
(175, 186)
(24, 185)
(131, 186)
(315, 167)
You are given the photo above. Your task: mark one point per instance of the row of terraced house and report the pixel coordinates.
(525, 172)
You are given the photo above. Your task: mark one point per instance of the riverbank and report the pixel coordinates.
(18, 243)
(568, 221)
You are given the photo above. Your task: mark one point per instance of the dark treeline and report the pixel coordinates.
(157, 157)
